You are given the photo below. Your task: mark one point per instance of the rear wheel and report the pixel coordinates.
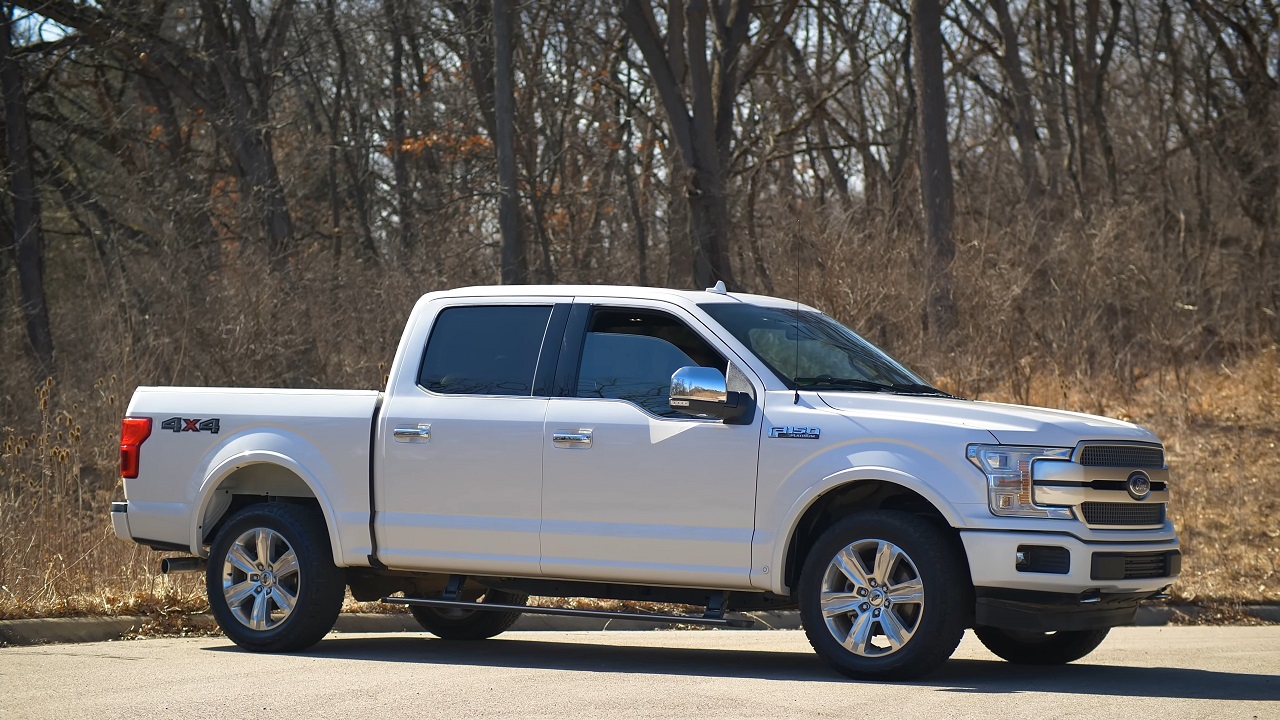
(1041, 648)
(463, 624)
(882, 596)
(271, 580)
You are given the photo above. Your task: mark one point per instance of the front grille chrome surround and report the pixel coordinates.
(1123, 514)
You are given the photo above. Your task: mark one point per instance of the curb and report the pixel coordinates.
(42, 631)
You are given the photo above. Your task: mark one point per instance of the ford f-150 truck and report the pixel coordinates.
(728, 451)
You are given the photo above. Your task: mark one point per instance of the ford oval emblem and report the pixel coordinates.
(1139, 486)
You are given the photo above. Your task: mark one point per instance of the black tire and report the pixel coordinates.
(1041, 648)
(317, 587)
(459, 624)
(932, 620)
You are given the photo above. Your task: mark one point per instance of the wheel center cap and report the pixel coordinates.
(268, 579)
(877, 597)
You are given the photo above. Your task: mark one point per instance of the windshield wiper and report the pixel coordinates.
(922, 389)
(834, 383)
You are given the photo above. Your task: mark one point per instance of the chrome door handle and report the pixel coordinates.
(414, 433)
(571, 438)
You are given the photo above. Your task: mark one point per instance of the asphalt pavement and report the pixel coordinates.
(1173, 672)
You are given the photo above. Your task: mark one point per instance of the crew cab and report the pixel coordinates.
(723, 450)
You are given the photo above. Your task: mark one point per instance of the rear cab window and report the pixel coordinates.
(484, 350)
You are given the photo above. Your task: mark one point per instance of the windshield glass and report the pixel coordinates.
(809, 350)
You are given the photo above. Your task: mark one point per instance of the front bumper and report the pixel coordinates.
(1048, 612)
(1077, 566)
(120, 520)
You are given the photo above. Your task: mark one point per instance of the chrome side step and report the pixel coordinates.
(570, 612)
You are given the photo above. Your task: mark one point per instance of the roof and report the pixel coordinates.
(620, 291)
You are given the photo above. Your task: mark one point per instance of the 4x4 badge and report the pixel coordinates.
(789, 431)
(196, 425)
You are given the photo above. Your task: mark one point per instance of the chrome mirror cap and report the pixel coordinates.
(697, 384)
(702, 392)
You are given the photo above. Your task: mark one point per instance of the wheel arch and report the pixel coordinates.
(254, 476)
(851, 491)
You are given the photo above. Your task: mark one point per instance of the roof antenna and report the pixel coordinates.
(719, 289)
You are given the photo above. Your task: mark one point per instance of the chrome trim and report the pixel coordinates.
(697, 383)
(414, 433)
(1066, 483)
(1060, 482)
(571, 438)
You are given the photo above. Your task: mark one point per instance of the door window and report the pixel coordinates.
(484, 350)
(631, 354)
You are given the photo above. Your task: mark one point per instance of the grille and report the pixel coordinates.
(1105, 513)
(1122, 456)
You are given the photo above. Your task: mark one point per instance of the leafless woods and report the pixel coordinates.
(1088, 182)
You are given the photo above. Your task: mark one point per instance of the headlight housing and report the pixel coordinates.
(1008, 471)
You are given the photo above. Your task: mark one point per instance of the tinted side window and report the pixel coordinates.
(484, 350)
(631, 354)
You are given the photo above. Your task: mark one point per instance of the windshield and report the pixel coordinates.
(810, 351)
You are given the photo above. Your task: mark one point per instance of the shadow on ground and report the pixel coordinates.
(965, 676)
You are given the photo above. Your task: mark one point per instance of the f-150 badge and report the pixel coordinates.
(179, 424)
(789, 431)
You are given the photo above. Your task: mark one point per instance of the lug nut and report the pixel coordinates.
(862, 592)
(876, 613)
(260, 566)
(873, 580)
(257, 590)
(864, 606)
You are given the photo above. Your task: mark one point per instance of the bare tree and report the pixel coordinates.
(515, 266)
(937, 189)
(27, 231)
(698, 83)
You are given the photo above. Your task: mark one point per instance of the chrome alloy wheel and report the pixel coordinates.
(872, 598)
(260, 579)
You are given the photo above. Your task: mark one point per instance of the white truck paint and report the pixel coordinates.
(586, 478)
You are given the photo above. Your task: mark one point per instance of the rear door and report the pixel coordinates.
(459, 479)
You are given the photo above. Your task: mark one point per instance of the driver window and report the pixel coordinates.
(630, 354)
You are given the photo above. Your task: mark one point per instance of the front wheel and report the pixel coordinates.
(271, 580)
(883, 596)
(1040, 648)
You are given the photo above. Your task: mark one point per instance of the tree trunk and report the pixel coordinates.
(937, 191)
(1024, 128)
(515, 267)
(27, 233)
(399, 163)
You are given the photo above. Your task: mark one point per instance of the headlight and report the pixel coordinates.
(1008, 471)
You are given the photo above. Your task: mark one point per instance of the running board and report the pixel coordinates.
(570, 612)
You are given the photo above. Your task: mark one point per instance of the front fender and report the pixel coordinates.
(791, 519)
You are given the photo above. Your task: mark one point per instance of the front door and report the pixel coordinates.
(634, 491)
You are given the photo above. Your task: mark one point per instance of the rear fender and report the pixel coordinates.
(283, 450)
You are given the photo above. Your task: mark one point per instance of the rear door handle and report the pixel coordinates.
(571, 438)
(412, 433)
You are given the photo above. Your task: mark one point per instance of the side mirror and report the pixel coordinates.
(701, 391)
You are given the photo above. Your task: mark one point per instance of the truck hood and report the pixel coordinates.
(1010, 424)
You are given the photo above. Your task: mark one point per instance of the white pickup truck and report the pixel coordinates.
(723, 450)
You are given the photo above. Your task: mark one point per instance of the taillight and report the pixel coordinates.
(133, 432)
